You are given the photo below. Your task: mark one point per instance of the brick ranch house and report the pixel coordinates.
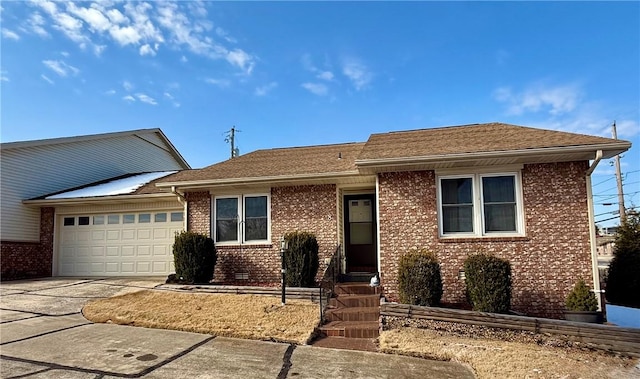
(521, 193)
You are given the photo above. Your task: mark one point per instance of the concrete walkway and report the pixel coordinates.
(43, 335)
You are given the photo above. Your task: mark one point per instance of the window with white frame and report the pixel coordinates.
(480, 205)
(242, 219)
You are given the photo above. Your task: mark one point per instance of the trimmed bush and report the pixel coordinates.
(419, 278)
(488, 282)
(581, 299)
(623, 280)
(301, 259)
(195, 257)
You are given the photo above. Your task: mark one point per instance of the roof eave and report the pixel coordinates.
(609, 150)
(98, 199)
(302, 178)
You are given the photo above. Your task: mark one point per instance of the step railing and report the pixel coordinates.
(329, 278)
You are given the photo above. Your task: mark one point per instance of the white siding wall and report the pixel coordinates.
(29, 172)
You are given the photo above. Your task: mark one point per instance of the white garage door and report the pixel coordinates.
(118, 244)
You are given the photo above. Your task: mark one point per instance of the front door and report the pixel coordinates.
(360, 233)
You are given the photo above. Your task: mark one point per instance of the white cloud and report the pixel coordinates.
(325, 75)
(222, 83)
(146, 99)
(4, 76)
(93, 17)
(146, 49)
(127, 86)
(125, 35)
(116, 16)
(61, 68)
(183, 59)
(46, 79)
(316, 88)
(358, 73)
(145, 26)
(35, 24)
(129, 99)
(241, 59)
(263, 90)
(110, 92)
(6, 33)
(555, 100)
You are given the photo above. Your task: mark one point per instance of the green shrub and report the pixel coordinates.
(623, 280)
(195, 257)
(419, 279)
(301, 259)
(581, 299)
(488, 282)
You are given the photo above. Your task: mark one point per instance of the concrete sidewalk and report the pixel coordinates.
(43, 335)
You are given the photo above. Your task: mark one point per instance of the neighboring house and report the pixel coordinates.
(33, 169)
(521, 193)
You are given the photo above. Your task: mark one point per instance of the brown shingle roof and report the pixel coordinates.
(474, 138)
(296, 161)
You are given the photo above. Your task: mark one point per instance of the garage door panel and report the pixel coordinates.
(97, 251)
(113, 251)
(97, 235)
(113, 235)
(128, 234)
(128, 251)
(112, 267)
(143, 267)
(97, 268)
(82, 251)
(128, 267)
(160, 233)
(144, 251)
(144, 234)
(68, 236)
(160, 250)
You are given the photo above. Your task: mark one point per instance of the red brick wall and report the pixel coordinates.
(199, 212)
(545, 264)
(302, 208)
(19, 260)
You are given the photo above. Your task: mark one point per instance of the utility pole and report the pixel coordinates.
(231, 138)
(623, 214)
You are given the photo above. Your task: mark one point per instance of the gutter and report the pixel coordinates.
(96, 199)
(182, 200)
(206, 183)
(592, 232)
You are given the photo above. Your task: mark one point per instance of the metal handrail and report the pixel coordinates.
(329, 279)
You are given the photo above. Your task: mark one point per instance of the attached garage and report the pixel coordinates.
(117, 244)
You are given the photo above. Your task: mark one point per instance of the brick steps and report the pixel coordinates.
(353, 313)
(351, 329)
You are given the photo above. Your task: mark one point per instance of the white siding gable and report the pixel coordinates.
(35, 169)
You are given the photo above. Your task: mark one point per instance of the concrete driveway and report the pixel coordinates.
(44, 335)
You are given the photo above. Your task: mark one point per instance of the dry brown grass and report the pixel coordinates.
(500, 359)
(240, 316)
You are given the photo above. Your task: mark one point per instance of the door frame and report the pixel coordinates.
(346, 197)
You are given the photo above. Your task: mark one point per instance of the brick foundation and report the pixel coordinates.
(21, 260)
(545, 263)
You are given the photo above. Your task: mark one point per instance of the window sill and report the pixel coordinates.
(483, 239)
(237, 246)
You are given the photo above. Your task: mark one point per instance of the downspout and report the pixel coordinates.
(182, 200)
(592, 232)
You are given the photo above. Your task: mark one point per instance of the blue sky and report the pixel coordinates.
(305, 73)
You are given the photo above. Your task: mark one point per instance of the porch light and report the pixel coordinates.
(461, 275)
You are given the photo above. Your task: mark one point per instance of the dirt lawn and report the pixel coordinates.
(240, 316)
(501, 359)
